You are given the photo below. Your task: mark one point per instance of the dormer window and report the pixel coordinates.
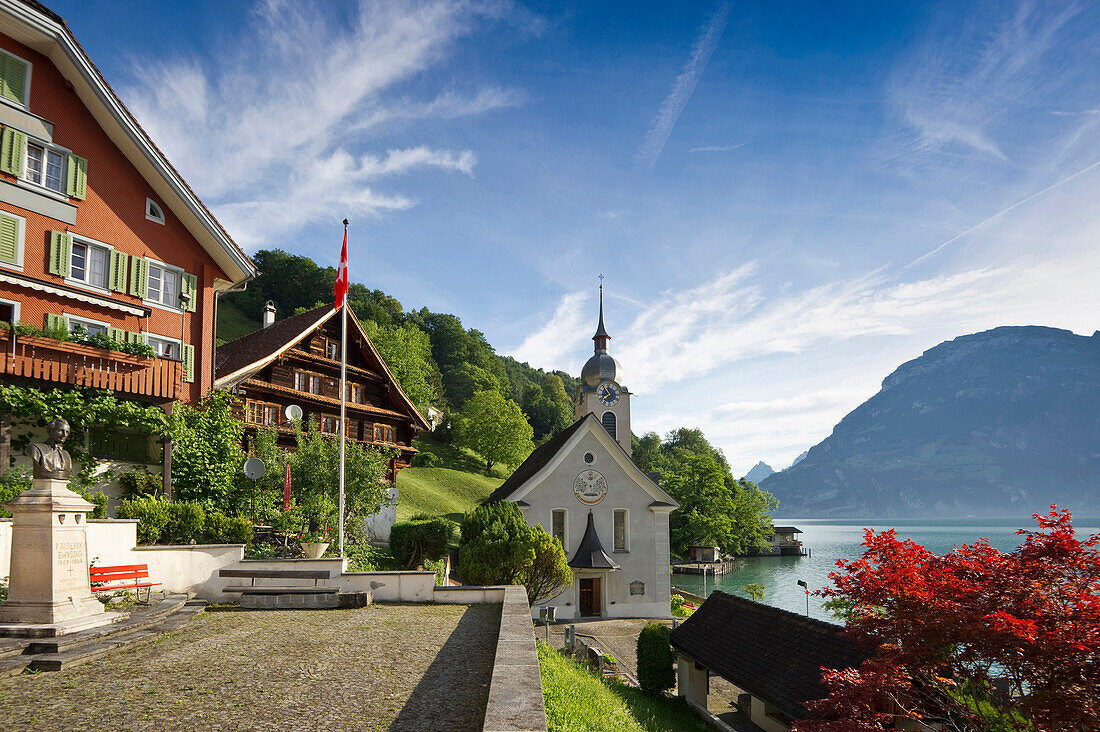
(153, 211)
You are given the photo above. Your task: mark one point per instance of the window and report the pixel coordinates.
(333, 349)
(557, 524)
(262, 413)
(89, 263)
(383, 433)
(11, 239)
(164, 347)
(45, 166)
(353, 393)
(608, 421)
(14, 78)
(91, 327)
(305, 381)
(163, 285)
(9, 311)
(590, 457)
(330, 425)
(620, 530)
(153, 211)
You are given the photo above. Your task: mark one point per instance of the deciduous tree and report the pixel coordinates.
(494, 428)
(944, 627)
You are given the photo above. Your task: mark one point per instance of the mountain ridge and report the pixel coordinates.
(993, 423)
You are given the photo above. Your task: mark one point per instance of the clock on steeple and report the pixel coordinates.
(601, 391)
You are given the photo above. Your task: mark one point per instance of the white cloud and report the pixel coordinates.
(718, 148)
(665, 119)
(267, 129)
(563, 333)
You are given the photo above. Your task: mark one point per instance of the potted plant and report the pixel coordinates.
(314, 543)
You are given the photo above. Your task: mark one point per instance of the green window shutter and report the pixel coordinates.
(78, 177)
(190, 286)
(116, 280)
(9, 239)
(132, 337)
(56, 322)
(188, 363)
(61, 249)
(13, 78)
(13, 144)
(139, 277)
(118, 335)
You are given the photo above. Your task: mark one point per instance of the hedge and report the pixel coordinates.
(655, 659)
(415, 542)
(164, 522)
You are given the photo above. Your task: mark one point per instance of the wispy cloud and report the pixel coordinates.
(718, 148)
(959, 88)
(661, 126)
(256, 144)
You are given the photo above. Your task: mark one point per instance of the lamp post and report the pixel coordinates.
(806, 587)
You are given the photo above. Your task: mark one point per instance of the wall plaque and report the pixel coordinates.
(637, 587)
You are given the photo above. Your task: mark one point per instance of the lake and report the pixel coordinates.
(832, 539)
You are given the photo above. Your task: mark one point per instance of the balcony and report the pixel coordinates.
(74, 364)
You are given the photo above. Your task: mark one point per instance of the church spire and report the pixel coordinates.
(601, 338)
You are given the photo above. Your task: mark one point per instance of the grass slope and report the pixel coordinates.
(577, 701)
(233, 323)
(452, 489)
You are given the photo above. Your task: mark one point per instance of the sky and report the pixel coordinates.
(787, 200)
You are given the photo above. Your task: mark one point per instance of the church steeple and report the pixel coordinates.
(601, 338)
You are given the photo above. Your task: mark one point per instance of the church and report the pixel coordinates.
(583, 488)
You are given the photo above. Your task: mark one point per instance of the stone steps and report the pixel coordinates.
(54, 654)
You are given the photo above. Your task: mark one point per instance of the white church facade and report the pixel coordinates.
(612, 519)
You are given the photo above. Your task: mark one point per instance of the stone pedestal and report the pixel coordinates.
(48, 591)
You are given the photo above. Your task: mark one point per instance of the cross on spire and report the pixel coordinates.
(601, 338)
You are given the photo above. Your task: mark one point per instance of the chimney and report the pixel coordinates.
(269, 314)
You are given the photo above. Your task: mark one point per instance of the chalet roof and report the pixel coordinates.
(239, 359)
(535, 462)
(255, 347)
(773, 654)
(787, 530)
(37, 27)
(590, 553)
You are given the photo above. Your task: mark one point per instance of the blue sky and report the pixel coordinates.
(788, 200)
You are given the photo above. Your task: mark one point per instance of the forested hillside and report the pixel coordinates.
(436, 359)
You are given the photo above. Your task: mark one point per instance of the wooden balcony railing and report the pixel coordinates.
(45, 359)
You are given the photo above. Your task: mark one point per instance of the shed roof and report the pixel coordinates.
(773, 654)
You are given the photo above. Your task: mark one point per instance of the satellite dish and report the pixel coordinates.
(293, 413)
(254, 468)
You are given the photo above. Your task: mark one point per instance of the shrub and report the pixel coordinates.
(185, 522)
(415, 542)
(136, 484)
(426, 460)
(152, 515)
(222, 529)
(12, 483)
(655, 659)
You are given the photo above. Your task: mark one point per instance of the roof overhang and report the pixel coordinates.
(52, 39)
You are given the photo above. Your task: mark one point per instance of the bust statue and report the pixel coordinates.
(51, 460)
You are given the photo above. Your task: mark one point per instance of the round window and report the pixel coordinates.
(590, 457)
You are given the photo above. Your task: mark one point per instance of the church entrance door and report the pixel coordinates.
(590, 597)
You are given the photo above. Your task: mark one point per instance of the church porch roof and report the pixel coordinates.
(590, 553)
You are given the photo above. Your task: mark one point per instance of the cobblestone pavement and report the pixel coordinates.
(401, 667)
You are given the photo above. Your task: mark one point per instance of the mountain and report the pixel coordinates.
(759, 471)
(999, 423)
(800, 458)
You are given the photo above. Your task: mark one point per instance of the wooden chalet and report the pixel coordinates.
(296, 363)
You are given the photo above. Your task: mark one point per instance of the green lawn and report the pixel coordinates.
(578, 701)
(452, 489)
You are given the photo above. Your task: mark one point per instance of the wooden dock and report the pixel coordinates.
(712, 568)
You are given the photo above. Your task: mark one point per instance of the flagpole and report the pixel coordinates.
(343, 392)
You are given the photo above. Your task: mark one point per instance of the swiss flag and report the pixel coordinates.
(341, 289)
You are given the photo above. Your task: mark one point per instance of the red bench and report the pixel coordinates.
(134, 574)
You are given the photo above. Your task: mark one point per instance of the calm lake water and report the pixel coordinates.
(832, 539)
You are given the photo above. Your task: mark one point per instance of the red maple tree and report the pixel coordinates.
(976, 639)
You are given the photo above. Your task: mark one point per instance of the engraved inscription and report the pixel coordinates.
(70, 566)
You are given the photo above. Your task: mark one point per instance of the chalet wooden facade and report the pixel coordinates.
(295, 364)
(98, 232)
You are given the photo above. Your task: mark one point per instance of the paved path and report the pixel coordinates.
(401, 667)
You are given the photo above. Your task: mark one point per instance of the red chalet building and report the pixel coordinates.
(294, 364)
(97, 230)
